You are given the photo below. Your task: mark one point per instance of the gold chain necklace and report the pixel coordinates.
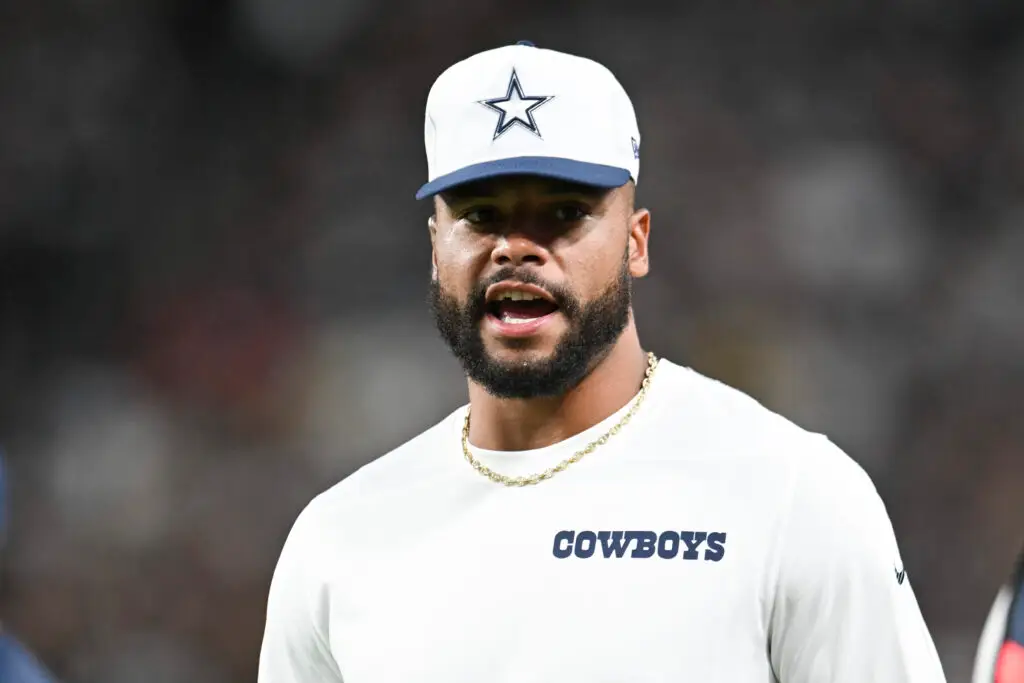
(532, 479)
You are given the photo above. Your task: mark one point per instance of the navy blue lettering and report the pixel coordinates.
(668, 545)
(716, 547)
(644, 543)
(586, 543)
(611, 542)
(563, 544)
(692, 539)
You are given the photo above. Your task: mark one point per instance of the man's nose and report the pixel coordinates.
(517, 249)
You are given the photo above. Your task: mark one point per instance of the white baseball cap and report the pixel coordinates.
(524, 110)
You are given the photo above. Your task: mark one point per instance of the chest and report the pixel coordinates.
(606, 579)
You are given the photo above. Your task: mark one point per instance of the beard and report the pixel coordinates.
(594, 328)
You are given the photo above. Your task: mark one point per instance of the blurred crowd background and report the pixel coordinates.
(213, 277)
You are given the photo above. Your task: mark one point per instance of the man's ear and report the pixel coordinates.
(432, 227)
(639, 236)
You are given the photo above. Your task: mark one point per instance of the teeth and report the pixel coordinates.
(515, 295)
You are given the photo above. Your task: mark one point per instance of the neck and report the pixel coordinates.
(503, 424)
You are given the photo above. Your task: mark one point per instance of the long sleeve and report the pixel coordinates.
(295, 645)
(844, 608)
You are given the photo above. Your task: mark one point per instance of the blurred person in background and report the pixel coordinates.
(17, 664)
(472, 552)
(1000, 657)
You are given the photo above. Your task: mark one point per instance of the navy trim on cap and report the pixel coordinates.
(595, 175)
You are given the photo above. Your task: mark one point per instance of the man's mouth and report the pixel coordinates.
(513, 304)
(516, 308)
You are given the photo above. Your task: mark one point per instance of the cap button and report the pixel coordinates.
(527, 43)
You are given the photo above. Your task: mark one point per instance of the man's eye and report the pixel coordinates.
(480, 215)
(570, 213)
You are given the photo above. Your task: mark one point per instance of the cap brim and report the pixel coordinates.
(594, 175)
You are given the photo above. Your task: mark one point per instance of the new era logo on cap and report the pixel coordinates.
(524, 110)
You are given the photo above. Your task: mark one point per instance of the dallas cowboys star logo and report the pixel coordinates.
(515, 108)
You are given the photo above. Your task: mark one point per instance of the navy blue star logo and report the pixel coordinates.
(515, 108)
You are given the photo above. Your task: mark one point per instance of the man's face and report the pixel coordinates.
(531, 282)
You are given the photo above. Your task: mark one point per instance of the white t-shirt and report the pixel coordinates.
(709, 540)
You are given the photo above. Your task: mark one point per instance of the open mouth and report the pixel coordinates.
(518, 309)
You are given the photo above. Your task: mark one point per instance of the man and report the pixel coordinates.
(17, 665)
(594, 513)
(1000, 655)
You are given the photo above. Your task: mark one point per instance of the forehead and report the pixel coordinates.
(519, 186)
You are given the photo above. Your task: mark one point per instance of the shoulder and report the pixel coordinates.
(727, 419)
(834, 522)
(318, 536)
(412, 465)
(709, 406)
(420, 457)
(806, 471)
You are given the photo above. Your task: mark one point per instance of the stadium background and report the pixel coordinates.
(213, 274)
